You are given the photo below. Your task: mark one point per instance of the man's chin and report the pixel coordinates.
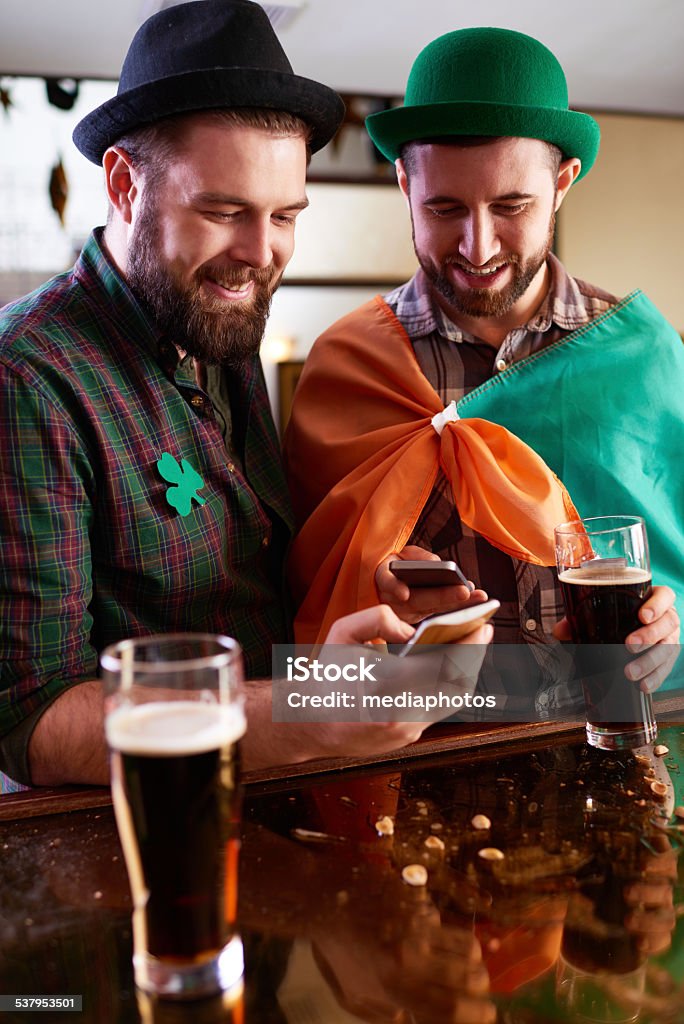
(475, 302)
(225, 340)
(481, 305)
(213, 305)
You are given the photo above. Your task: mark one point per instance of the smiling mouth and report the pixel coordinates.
(484, 272)
(479, 271)
(479, 276)
(233, 291)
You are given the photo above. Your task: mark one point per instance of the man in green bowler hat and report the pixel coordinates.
(493, 330)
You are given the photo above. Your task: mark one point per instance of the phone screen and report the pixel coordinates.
(429, 573)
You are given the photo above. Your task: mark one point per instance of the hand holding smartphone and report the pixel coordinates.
(449, 627)
(428, 573)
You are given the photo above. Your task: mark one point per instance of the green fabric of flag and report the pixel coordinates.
(604, 408)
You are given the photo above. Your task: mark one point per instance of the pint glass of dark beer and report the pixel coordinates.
(605, 576)
(174, 713)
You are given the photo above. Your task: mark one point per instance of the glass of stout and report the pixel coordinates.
(605, 577)
(174, 713)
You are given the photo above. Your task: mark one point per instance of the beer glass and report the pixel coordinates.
(593, 997)
(605, 577)
(174, 712)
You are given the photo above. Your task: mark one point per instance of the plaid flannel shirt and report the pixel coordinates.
(92, 550)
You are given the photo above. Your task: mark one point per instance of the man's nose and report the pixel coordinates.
(479, 241)
(253, 245)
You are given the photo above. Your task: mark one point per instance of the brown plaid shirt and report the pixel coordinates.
(455, 363)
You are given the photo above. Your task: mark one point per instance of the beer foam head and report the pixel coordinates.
(590, 576)
(173, 727)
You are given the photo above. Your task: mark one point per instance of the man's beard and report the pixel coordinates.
(487, 302)
(226, 333)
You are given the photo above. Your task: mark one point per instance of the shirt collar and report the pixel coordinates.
(564, 305)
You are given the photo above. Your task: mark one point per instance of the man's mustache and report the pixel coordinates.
(234, 280)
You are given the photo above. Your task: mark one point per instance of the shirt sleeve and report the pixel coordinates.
(14, 760)
(46, 513)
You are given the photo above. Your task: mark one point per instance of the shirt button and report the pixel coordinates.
(531, 625)
(197, 402)
(501, 364)
(265, 542)
(231, 467)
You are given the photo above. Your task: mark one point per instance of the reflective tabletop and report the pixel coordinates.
(527, 882)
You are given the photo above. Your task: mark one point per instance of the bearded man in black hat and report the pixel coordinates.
(142, 490)
(441, 430)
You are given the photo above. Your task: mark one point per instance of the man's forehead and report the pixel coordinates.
(207, 123)
(232, 175)
(215, 147)
(495, 146)
(515, 159)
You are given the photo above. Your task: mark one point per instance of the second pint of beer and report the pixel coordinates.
(605, 577)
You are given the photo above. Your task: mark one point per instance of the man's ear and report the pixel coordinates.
(567, 174)
(402, 177)
(120, 181)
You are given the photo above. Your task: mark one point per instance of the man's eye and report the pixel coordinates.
(511, 210)
(444, 211)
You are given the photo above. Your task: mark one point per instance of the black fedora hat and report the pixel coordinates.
(202, 55)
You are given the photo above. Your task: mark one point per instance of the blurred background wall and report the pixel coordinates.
(621, 227)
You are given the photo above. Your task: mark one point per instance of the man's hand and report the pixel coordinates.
(434, 673)
(381, 623)
(658, 638)
(414, 605)
(651, 916)
(309, 739)
(434, 975)
(267, 742)
(392, 960)
(376, 623)
(383, 952)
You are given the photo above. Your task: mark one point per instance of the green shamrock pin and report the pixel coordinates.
(185, 481)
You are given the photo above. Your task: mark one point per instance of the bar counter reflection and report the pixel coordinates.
(329, 923)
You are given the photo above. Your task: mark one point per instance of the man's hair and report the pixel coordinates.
(408, 150)
(151, 147)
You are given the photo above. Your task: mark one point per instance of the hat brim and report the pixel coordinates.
(316, 104)
(575, 134)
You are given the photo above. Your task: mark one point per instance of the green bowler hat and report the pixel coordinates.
(486, 81)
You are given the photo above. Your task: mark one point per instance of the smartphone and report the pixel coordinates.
(428, 574)
(451, 626)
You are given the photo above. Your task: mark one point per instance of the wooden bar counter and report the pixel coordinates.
(449, 883)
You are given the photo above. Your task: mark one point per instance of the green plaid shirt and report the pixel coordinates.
(92, 549)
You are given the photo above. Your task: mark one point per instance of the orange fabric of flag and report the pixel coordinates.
(517, 955)
(362, 456)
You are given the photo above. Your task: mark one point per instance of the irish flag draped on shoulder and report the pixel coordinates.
(590, 425)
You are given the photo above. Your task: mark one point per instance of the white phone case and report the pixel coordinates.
(451, 626)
